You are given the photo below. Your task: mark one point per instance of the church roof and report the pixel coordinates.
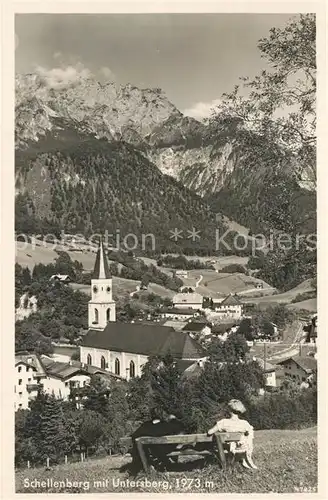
(150, 340)
(101, 269)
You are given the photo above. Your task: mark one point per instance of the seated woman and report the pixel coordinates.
(236, 424)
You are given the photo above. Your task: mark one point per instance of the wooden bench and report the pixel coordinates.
(212, 445)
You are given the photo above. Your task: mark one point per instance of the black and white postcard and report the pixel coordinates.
(166, 326)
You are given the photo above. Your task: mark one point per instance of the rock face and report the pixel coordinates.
(112, 111)
(145, 118)
(236, 180)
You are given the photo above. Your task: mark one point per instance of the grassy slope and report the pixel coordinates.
(29, 255)
(285, 297)
(123, 287)
(221, 284)
(287, 461)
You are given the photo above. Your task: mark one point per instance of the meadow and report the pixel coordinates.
(286, 460)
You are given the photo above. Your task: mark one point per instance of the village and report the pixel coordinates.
(185, 329)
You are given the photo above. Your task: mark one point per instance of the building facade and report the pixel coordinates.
(123, 348)
(230, 307)
(299, 368)
(188, 300)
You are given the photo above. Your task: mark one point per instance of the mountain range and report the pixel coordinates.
(94, 155)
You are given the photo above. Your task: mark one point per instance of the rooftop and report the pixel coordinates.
(101, 269)
(30, 359)
(267, 367)
(179, 310)
(307, 363)
(194, 326)
(63, 371)
(231, 300)
(222, 327)
(187, 298)
(150, 340)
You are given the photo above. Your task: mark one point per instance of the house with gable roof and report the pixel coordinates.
(299, 368)
(230, 307)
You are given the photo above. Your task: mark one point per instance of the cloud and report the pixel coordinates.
(69, 74)
(107, 73)
(65, 76)
(202, 110)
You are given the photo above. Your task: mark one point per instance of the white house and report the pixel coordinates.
(198, 328)
(188, 300)
(299, 368)
(230, 307)
(29, 371)
(61, 278)
(179, 313)
(180, 273)
(269, 372)
(34, 372)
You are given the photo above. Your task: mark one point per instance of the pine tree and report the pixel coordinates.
(97, 396)
(53, 433)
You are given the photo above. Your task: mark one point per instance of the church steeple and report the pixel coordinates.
(101, 269)
(101, 306)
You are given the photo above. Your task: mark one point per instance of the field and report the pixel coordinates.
(286, 460)
(286, 297)
(123, 287)
(208, 282)
(29, 255)
(215, 284)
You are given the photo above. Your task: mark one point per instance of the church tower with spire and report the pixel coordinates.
(101, 306)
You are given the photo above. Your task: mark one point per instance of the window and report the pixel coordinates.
(27, 368)
(117, 366)
(108, 315)
(20, 405)
(96, 316)
(29, 379)
(103, 363)
(89, 360)
(20, 393)
(20, 381)
(132, 369)
(19, 369)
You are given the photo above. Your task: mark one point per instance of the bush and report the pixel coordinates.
(233, 268)
(284, 410)
(304, 296)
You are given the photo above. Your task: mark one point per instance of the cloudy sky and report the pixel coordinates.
(193, 58)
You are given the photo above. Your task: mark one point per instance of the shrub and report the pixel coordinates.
(284, 410)
(233, 268)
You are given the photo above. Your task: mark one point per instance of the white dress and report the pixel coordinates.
(235, 424)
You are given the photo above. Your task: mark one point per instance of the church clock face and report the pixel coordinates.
(95, 289)
(108, 289)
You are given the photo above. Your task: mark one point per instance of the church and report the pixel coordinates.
(123, 348)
